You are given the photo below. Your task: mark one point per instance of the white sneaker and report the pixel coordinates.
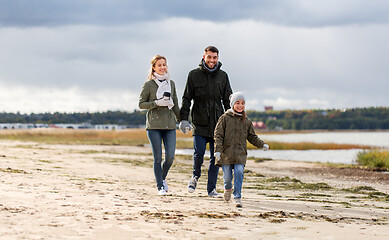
(162, 192)
(215, 194)
(238, 202)
(165, 186)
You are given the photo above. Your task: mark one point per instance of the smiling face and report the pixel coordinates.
(239, 106)
(211, 58)
(160, 66)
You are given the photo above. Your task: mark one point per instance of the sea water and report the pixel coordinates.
(376, 139)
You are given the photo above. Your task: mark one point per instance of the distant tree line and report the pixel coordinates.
(356, 118)
(109, 117)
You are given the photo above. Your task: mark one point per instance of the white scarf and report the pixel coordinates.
(163, 86)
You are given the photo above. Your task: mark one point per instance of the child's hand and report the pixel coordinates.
(217, 155)
(265, 147)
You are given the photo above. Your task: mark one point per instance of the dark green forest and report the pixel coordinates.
(356, 118)
(335, 119)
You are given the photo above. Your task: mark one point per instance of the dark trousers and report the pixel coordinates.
(199, 145)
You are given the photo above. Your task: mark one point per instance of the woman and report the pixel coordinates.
(159, 97)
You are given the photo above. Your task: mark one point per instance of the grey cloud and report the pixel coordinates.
(341, 66)
(282, 12)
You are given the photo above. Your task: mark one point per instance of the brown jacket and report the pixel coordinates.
(230, 138)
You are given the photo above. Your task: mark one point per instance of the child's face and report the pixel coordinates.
(239, 106)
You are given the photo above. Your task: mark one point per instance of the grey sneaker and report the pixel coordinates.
(165, 186)
(192, 184)
(238, 202)
(215, 194)
(227, 194)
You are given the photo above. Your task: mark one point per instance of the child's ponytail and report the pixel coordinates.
(243, 117)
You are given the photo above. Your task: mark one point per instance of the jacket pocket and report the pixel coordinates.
(153, 115)
(200, 89)
(244, 148)
(228, 150)
(218, 110)
(220, 87)
(199, 115)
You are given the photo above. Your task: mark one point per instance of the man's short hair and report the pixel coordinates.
(212, 49)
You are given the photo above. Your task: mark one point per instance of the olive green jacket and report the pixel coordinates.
(230, 138)
(158, 117)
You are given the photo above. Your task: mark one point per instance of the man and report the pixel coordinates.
(209, 88)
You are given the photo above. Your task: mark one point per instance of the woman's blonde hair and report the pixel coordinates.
(153, 61)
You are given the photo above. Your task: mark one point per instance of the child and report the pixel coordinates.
(231, 132)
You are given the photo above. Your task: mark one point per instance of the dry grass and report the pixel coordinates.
(135, 137)
(83, 136)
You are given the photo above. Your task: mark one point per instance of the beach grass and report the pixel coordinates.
(138, 137)
(374, 158)
(130, 137)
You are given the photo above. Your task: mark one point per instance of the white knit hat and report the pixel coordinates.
(235, 97)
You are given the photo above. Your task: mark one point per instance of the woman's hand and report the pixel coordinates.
(162, 102)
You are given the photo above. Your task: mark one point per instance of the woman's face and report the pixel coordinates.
(160, 66)
(239, 106)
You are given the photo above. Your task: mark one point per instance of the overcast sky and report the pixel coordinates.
(94, 55)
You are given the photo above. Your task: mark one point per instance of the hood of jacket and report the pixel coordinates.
(232, 113)
(218, 66)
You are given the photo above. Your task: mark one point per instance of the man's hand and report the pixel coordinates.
(265, 147)
(217, 155)
(185, 126)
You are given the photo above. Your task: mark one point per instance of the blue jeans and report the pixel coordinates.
(199, 145)
(238, 181)
(156, 137)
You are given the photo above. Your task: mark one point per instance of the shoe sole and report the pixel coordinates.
(191, 190)
(218, 196)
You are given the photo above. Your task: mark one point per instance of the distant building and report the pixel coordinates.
(268, 108)
(16, 125)
(41, 125)
(72, 125)
(109, 126)
(259, 125)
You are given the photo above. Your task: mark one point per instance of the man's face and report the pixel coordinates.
(211, 59)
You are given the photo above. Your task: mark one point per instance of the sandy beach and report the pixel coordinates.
(91, 192)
